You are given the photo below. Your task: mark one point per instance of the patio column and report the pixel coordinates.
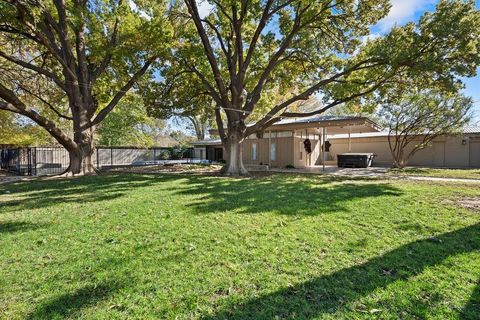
(269, 148)
(324, 133)
(307, 155)
(349, 139)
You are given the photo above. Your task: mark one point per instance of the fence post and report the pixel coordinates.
(98, 160)
(34, 161)
(154, 155)
(29, 161)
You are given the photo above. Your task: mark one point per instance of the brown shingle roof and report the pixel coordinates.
(165, 141)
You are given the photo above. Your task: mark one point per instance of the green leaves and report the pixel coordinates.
(14, 131)
(128, 125)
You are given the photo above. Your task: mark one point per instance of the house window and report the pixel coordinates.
(254, 151)
(284, 134)
(273, 152)
(268, 135)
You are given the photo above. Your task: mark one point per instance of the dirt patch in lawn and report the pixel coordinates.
(470, 203)
(467, 203)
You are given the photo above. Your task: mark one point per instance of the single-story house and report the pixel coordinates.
(284, 144)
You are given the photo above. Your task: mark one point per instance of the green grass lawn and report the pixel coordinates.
(436, 172)
(274, 247)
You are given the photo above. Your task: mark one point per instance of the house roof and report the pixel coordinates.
(471, 129)
(318, 118)
(466, 130)
(210, 142)
(332, 124)
(165, 141)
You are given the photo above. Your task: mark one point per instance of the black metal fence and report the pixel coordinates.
(18, 160)
(54, 160)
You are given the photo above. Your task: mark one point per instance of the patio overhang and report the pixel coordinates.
(315, 124)
(333, 124)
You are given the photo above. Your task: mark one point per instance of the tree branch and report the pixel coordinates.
(254, 96)
(35, 68)
(193, 10)
(48, 104)
(105, 111)
(109, 54)
(13, 104)
(308, 92)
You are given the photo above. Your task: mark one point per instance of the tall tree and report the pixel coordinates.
(242, 50)
(180, 95)
(416, 118)
(74, 60)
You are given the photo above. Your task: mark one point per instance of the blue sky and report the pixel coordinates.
(403, 11)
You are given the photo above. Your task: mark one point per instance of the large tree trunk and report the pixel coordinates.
(81, 155)
(233, 157)
(80, 162)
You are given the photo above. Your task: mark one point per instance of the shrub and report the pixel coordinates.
(165, 155)
(178, 151)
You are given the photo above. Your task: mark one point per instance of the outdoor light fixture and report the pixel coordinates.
(464, 142)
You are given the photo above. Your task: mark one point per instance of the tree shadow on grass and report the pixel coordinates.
(290, 195)
(278, 193)
(330, 293)
(17, 226)
(471, 311)
(72, 303)
(46, 193)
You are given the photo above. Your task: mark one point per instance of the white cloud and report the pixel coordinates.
(204, 9)
(403, 11)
